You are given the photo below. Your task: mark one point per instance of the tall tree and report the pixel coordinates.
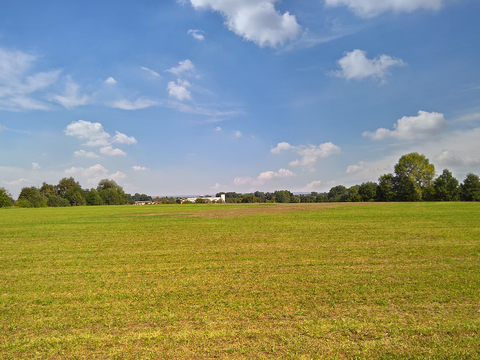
(65, 185)
(385, 189)
(368, 191)
(446, 187)
(470, 189)
(413, 173)
(5, 198)
(31, 197)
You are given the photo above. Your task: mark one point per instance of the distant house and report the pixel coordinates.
(208, 198)
(144, 203)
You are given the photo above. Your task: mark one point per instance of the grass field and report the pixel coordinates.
(299, 281)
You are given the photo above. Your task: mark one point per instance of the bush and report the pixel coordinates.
(57, 201)
(23, 203)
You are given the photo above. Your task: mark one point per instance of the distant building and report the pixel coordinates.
(144, 202)
(208, 198)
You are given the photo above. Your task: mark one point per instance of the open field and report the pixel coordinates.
(299, 281)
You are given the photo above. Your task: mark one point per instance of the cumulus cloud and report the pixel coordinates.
(139, 168)
(197, 34)
(17, 87)
(110, 151)
(263, 177)
(95, 135)
(179, 90)
(452, 158)
(124, 139)
(355, 65)
(216, 186)
(352, 169)
(309, 153)
(35, 166)
(313, 185)
(257, 21)
(370, 8)
(140, 103)
(93, 174)
(412, 127)
(184, 67)
(117, 176)
(92, 132)
(151, 72)
(110, 81)
(83, 153)
(17, 182)
(238, 134)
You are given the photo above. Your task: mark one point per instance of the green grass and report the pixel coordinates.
(307, 281)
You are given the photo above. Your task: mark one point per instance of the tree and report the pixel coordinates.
(5, 198)
(65, 185)
(470, 189)
(57, 201)
(446, 187)
(368, 191)
(413, 173)
(249, 198)
(111, 193)
(385, 189)
(338, 193)
(76, 197)
(92, 197)
(33, 196)
(47, 190)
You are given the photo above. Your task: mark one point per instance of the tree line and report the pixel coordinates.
(413, 179)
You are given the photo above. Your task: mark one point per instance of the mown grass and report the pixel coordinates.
(307, 281)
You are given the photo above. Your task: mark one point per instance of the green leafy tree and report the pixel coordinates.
(65, 185)
(5, 198)
(57, 201)
(47, 190)
(249, 198)
(413, 173)
(470, 189)
(76, 197)
(111, 193)
(338, 193)
(368, 191)
(33, 196)
(92, 197)
(385, 190)
(446, 187)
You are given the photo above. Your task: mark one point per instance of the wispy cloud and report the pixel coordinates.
(197, 34)
(151, 72)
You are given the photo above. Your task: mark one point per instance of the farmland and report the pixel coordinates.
(291, 281)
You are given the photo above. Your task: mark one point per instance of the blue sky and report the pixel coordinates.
(201, 96)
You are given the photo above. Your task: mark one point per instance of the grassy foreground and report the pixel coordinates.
(299, 281)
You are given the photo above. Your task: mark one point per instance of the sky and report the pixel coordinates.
(202, 96)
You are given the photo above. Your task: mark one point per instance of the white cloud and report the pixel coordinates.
(152, 73)
(71, 97)
(309, 153)
(255, 20)
(179, 90)
(412, 127)
(263, 177)
(140, 103)
(218, 128)
(16, 86)
(124, 139)
(139, 168)
(197, 34)
(352, 169)
(93, 132)
(313, 185)
(97, 136)
(17, 182)
(89, 154)
(110, 81)
(117, 176)
(280, 147)
(93, 174)
(35, 166)
(185, 66)
(469, 117)
(452, 158)
(238, 134)
(110, 151)
(370, 8)
(216, 186)
(355, 65)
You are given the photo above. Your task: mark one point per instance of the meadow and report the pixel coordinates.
(263, 281)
